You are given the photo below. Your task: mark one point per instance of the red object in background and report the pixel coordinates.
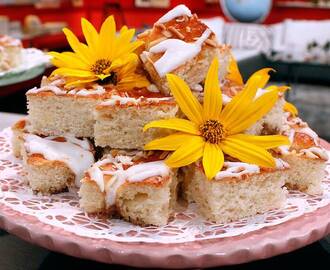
(126, 12)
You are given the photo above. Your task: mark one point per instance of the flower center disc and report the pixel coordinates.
(100, 66)
(212, 131)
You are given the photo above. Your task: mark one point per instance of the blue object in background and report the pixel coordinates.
(246, 10)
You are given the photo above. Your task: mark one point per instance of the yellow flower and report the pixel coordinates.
(107, 57)
(211, 131)
(234, 74)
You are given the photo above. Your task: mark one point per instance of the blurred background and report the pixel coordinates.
(291, 36)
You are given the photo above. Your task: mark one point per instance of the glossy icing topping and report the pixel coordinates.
(304, 141)
(315, 153)
(57, 87)
(236, 169)
(176, 53)
(75, 153)
(121, 169)
(239, 169)
(136, 97)
(178, 11)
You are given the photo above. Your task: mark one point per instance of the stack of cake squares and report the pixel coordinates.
(92, 138)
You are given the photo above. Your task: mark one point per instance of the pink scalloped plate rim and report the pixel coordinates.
(259, 244)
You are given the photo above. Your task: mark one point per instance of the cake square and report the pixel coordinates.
(54, 110)
(121, 118)
(306, 157)
(138, 186)
(10, 52)
(180, 43)
(238, 191)
(53, 164)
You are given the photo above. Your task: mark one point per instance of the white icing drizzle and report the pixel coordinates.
(99, 90)
(178, 11)
(284, 150)
(135, 173)
(236, 169)
(281, 164)
(291, 134)
(115, 99)
(75, 153)
(312, 152)
(56, 87)
(225, 99)
(176, 53)
(52, 88)
(96, 174)
(295, 121)
(315, 153)
(139, 172)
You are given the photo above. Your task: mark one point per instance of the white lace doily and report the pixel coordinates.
(63, 211)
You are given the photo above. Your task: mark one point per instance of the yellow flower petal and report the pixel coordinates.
(187, 102)
(265, 141)
(243, 119)
(289, 107)
(247, 152)
(281, 88)
(69, 59)
(123, 29)
(259, 79)
(77, 81)
(169, 143)
(125, 65)
(234, 74)
(188, 153)
(124, 43)
(213, 159)
(72, 72)
(107, 39)
(134, 81)
(130, 82)
(175, 124)
(76, 46)
(212, 104)
(90, 34)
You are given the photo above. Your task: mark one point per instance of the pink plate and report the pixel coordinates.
(257, 244)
